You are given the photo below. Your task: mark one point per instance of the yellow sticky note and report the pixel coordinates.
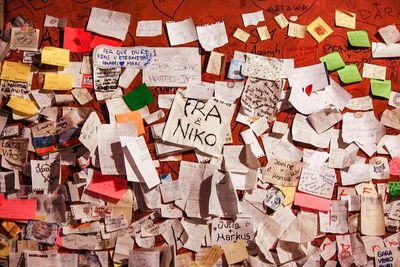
(288, 192)
(22, 105)
(235, 252)
(263, 33)
(55, 56)
(319, 29)
(55, 81)
(15, 71)
(241, 35)
(345, 19)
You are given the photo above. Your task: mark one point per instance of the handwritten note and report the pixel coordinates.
(173, 67)
(228, 231)
(181, 32)
(318, 182)
(212, 35)
(106, 80)
(113, 57)
(149, 28)
(109, 23)
(55, 56)
(358, 38)
(345, 19)
(263, 67)
(24, 39)
(8, 88)
(260, 97)
(25, 106)
(209, 124)
(281, 172)
(15, 71)
(54, 81)
(319, 29)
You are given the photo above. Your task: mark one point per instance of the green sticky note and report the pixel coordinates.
(139, 97)
(381, 88)
(394, 188)
(349, 74)
(333, 61)
(358, 38)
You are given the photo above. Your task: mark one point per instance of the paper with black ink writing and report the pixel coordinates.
(197, 123)
(228, 231)
(261, 67)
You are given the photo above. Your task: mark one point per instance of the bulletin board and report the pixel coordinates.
(371, 15)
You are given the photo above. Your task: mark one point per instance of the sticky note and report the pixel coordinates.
(133, 116)
(241, 35)
(55, 56)
(139, 97)
(319, 29)
(333, 61)
(394, 188)
(263, 33)
(77, 40)
(15, 71)
(22, 105)
(111, 187)
(358, 38)
(349, 74)
(311, 202)
(394, 166)
(381, 88)
(345, 19)
(55, 81)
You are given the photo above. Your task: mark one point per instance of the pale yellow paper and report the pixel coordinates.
(263, 33)
(319, 29)
(55, 56)
(22, 105)
(241, 35)
(345, 19)
(15, 71)
(54, 81)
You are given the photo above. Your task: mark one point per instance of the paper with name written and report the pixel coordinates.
(173, 67)
(197, 123)
(228, 231)
(281, 172)
(109, 23)
(112, 57)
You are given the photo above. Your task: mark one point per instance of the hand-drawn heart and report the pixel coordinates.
(50, 173)
(308, 89)
(168, 7)
(122, 63)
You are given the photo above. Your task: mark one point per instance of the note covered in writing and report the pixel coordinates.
(181, 32)
(18, 209)
(319, 29)
(381, 88)
(349, 74)
(54, 81)
(297, 30)
(333, 61)
(15, 71)
(281, 20)
(263, 33)
(345, 19)
(358, 38)
(110, 186)
(55, 56)
(109, 23)
(373, 71)
(22, 105)
(133, 116)
(139, 97)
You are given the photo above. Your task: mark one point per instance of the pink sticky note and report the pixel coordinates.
(18, 209)
(311, 202)
(110, 187)
(394, 166)
(102, 40)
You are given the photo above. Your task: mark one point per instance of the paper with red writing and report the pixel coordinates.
(17, 209)
(112, 187)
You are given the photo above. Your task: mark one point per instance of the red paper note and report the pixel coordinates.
(77, 40)
(101, 40)
(394, 166)
(311, 202)
(110, 187)
(17, 209)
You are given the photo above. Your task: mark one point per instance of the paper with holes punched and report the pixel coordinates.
(181, 32)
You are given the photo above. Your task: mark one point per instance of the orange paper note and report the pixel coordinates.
(133, 116)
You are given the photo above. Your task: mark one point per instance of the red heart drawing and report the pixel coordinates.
(168, 7)
(308, 89)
